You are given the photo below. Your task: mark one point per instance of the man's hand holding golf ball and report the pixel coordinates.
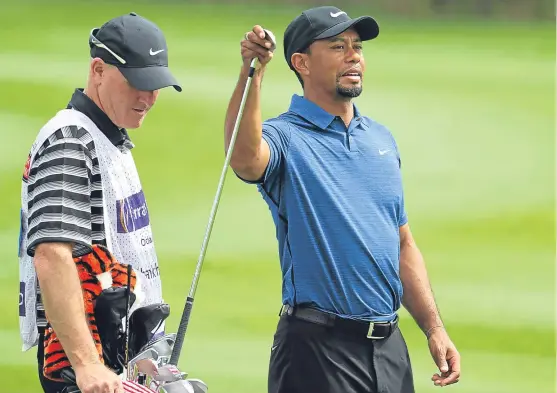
(258, 43)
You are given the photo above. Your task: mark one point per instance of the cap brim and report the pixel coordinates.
(366, 27)
(150, 78)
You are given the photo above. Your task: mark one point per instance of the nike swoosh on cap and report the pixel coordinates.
(336, 14)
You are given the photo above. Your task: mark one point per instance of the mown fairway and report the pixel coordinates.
(471, 107)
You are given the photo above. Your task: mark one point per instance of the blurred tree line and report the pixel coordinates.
(512, 9)
(496, 9)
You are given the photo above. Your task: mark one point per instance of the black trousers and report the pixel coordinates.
(311, 358)
(48, 385)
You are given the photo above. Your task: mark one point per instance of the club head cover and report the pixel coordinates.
(110, 309)
(144, 322)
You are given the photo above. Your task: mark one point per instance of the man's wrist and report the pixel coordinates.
(429, 332)
(85, 357)
(258, 72)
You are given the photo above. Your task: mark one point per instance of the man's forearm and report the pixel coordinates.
(63, 301)
(248, 140)
(418, 297)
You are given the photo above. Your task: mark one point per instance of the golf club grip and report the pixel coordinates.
(181, 333)
(68, 375)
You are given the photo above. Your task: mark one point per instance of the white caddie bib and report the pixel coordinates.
(126, 222)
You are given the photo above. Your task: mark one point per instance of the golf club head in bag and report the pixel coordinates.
(198, 385)
(142, 365)
(153, 356)
(151, 369)
(163, 376)
(184, 386)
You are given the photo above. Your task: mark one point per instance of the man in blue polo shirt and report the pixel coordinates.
(331, 178)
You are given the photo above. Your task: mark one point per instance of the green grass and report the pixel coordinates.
(471, 106)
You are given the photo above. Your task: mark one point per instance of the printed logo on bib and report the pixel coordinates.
(151, 272)
(146, 241)
(26, 168)
(132, 213)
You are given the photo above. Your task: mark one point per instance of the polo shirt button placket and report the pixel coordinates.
(351, 141)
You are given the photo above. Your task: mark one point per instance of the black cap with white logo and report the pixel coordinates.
(324, 22)
(138, 48)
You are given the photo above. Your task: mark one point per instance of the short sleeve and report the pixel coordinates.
(402, 215)
(59, 196)
(277, 136)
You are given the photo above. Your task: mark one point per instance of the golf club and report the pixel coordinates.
(128, 292)
(176, 350)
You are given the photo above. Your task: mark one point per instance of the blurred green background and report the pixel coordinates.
(466, 87)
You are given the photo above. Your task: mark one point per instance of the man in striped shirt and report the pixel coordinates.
(80, 188)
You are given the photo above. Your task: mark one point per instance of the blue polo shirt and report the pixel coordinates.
(336, 197)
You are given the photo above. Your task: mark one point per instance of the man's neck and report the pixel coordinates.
(93, 95)
(337, 106)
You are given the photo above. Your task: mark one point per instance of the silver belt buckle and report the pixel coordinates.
(370, 332)
(285, 309)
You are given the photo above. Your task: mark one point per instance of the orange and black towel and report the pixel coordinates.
(89, 267)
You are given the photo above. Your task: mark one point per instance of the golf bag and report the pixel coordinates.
(110, 289)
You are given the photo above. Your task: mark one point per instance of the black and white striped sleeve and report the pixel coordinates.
(59, 192)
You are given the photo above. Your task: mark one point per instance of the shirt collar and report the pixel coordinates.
(357, 115)
(81, 102)
(314, 113)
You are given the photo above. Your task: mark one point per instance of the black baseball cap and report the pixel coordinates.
(324, 22)
(138, 48)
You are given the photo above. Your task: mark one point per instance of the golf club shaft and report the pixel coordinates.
(128, 293)
(182, 327)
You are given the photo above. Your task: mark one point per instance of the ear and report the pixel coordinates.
(97, 70)
(300, 62)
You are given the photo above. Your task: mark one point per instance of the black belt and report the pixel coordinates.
(371, 330)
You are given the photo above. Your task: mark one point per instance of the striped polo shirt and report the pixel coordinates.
(64, 186)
